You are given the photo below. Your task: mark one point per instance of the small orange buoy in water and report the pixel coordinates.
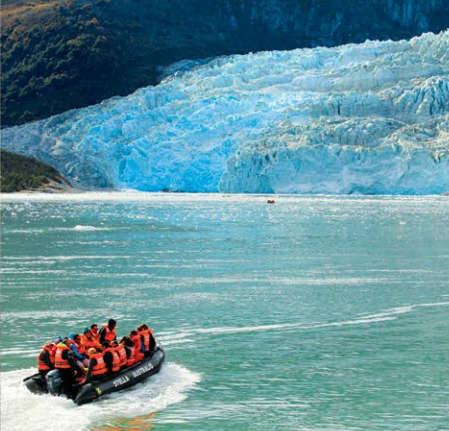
(270, 201)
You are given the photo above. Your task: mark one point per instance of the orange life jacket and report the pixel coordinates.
(95, 335)
(60, 362)
(138, 355)
(51, 349)
(109, 334)
(146, 337)
(100, 367)
(115, 358)
(90, 341)
(121, 351)
(86, 342)
(81, 348)
(83, 341)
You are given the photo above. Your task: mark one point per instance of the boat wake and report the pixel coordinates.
(44, 412)
(188, 335)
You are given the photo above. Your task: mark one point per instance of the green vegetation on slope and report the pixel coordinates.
(25, 173)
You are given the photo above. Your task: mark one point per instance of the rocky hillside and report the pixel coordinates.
(63, 54)
(25, 173)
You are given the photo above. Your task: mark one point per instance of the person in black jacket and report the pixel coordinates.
(67, 365)
(108, 332)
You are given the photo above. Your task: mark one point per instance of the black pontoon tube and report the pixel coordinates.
(95, 389)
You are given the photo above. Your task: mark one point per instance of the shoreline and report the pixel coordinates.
(133, 195)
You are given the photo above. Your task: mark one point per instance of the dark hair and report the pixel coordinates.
(111, 323)
(133, 332)
(128, 342)
(144, 326)
(92, 326)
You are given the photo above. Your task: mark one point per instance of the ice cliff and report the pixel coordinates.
(365, 118)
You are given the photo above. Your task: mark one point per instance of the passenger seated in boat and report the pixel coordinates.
(147, 339)
(129, 349)
(77, 349)
(94, 333)
(67, 365)
(137, 343)
(46, 358)
(111, 358)
(97, 369)
(108, 332)
(121, 351)
(88, 341)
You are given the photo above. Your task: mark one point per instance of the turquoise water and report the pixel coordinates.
(316, 313)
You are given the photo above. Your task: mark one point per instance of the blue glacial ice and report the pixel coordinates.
(367, 118)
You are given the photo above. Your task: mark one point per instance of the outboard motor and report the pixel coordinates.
(36, 384)
(54, 382)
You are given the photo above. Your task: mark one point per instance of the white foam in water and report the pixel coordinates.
(383, 316)
(84, 228)
(20, 409)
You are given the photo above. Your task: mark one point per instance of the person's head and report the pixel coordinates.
(133, 333)
(58, 339)
(85, 331)
(144, 326)
(66, 341)
(127, 341)
(92, 351)
(112, 323)
(94, 328)
(77, 338)
(72, 335)
(139, 328)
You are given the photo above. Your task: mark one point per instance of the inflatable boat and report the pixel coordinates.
(89, 391)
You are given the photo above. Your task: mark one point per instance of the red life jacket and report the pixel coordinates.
(115, 358)
(60, 362)
(121, 351)
(51, 349)
(138, 355)
(109, 334)
(146, 337)
(100, 367)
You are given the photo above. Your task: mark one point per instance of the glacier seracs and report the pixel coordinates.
(367, 118)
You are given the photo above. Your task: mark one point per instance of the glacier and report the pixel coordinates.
(370, 118)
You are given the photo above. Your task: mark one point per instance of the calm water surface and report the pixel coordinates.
(316, 313)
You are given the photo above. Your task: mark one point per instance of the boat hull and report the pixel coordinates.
(127, 378)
